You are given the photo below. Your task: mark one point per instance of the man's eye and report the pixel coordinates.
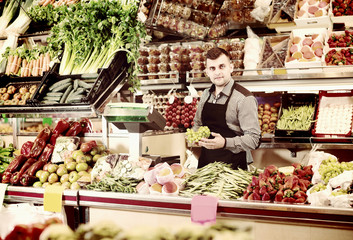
(222, 66)
(212, 68)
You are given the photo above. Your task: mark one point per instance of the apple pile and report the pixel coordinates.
(162, 179)
(339, 57)
(273, 185)
(75, 171)
(342, 7)
(268, 116)
(338, 40)
(180, 114)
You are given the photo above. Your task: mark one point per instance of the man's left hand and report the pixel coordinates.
(216, 143)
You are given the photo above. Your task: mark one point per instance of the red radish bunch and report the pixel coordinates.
(339, 57)
(273, 185)
(342, 7)
(341, 40)
(180, 114)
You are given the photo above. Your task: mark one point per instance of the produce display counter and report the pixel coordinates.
(271, 212)
(36, 195)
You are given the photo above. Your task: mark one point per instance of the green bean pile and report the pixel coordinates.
(296, 118)
(219, 180)
(112, 184)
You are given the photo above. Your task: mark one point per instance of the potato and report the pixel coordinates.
(274, 109)
(277, 104)
(266, 112)
(3, 90)
(23, 90)
(264, 127)
(272, 125)
(266, 117)
(267, 106)
(265, 121)
(273, 119)
(261, 107)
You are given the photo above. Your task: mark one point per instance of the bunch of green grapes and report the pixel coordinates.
(194, 137)
(318, 187)
(331, 168)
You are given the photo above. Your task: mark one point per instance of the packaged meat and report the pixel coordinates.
(104, 166)
(236, 4)
(237, 64)
(164, 49)
(152, 68)
(175, 66)
(64, 147)
(130, 167)
(163, 67)
(208, 45)
(154, 51)
(197, 56)
(142, 60)
(143, 69)
(175, 57)
(196, 48)
(247, 16)
(236, 44)
(225, 44)
(176, 49)
(154, 59)
(143, 51)
(164, 58)
(196, 65)
(236, 55)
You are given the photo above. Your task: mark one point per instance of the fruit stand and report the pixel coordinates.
(299, 67)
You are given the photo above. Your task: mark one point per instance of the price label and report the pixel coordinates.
(204, 209)
(53, 196)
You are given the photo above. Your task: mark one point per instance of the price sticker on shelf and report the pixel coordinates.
(3, 188)
(204, 209)
(53, 196)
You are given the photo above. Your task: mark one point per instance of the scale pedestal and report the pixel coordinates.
(136, 118)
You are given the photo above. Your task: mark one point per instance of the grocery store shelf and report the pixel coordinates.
(298, 82)
(48, 111)
(307, 143)
(36, 195)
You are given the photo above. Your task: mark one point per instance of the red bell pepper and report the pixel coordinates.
(26, 148)
(86, 125)
(75, 129)
(47, 152)
(16, 164)
(53, 138)
(37, 148)
(19, 232)
(6, 177)
(29, 177)
(15, 178)
(44, 134)
(61, 126)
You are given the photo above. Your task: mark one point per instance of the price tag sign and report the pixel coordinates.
(53, 196)
(204, 209)
(3, 188)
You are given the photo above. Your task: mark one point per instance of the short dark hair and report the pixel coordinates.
(215, 52)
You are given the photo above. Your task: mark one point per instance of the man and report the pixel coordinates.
(230, 111)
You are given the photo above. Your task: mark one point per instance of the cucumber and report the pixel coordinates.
(60, 83)
(75, 84)
(55, 94)
(50, 98)
(84, 84)
(49, 102)
(67, 91)
(75, 98)
(79, 91)
(62, 87)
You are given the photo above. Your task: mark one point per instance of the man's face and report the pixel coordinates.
(219, 70)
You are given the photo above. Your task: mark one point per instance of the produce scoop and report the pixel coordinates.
(137, 118)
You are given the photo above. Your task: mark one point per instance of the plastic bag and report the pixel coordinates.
(319, 198)
(64, 147)
(343, 181)
(191, 162)
(262, 10)
(252, 50)
(343, 201)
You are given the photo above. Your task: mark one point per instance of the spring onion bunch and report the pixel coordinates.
(8, 13)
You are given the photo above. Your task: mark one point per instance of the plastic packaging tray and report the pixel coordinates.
(296, 100)
(271, 99)
(19, 83)
(326, 98)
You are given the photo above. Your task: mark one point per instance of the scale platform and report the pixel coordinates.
(136, 118)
